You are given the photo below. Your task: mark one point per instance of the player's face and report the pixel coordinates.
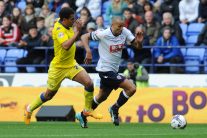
(70, 21)
(117, 28)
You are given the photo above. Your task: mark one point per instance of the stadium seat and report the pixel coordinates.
(10, 61)
(183, 28)
(205, 64)
(200, 52)
(31, 69)
(11, 57)
(183, 51)
(15, 53)
(195, 28)
(191, 40)
(2, 55)
(192, 64)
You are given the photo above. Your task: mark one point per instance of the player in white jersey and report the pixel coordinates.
(111, 44)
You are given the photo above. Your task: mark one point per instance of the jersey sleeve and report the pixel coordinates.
(130, 37)
(96, 35)
(61, 36)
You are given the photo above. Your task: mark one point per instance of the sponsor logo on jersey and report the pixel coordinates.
(116, 48)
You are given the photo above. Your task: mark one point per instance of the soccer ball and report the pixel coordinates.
(178, 121)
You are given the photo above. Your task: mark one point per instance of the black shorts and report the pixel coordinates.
(110, 80)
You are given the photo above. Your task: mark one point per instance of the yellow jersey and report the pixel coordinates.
(63, 58)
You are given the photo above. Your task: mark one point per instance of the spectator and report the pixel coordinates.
(149, 7)
(9, 32)
(151, 27)
(168, 54)
(170, 6)
(100, 23)
(202, 16)
(9, 5)
(29, 19)
(48, 15)
(41, 25)
(92, 5)
(72, 4)
(115, 9)
(143, 55)
(65, 4)
(138, 7)
(137, 74)
(202, 38)
(188, 11)
(17, 17)
(55, 6)
(85, 17)
(3, 12)
(47, 38)
(168, 20)
(37, 6)
(34, 56)
(48, 42)
(130, 22)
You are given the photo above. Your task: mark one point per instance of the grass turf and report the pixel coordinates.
(98, 130)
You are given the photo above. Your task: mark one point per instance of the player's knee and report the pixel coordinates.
(132, 90)
(89, 86)
(49, 96)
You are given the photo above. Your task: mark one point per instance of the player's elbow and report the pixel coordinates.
(85, 36)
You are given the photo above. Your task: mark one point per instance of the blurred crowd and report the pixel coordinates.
(29, 23)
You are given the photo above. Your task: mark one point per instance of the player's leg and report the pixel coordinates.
(83, 78)
(42, 98)
(55, 77)
(129, 90)
(100, 97)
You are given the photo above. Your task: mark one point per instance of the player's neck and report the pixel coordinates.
(64, 25)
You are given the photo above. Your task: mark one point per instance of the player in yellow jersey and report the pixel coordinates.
(63, 65)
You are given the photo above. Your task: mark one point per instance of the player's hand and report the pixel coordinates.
(139, 36)
(78, 25)
(88, 58)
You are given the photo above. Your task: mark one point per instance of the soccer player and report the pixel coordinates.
(111, 43)
(64, 65)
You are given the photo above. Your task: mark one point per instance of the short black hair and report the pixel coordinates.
(128, 9)
(65, 13)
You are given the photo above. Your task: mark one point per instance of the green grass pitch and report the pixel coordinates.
(99, 130)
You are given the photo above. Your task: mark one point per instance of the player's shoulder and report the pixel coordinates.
(58, 27)
(125, 30)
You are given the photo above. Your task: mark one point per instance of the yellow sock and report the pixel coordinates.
(37, 102)
(88, 100)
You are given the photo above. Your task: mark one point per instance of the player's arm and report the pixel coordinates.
(77, 29)
(85, 40)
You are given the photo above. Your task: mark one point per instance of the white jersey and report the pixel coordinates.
(110, 48)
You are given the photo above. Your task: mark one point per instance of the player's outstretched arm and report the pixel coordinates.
(77, 29)
(85, 40)
(138, 40)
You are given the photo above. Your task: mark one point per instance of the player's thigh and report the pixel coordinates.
(128, 86)
(55, 77)
(83, 78)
